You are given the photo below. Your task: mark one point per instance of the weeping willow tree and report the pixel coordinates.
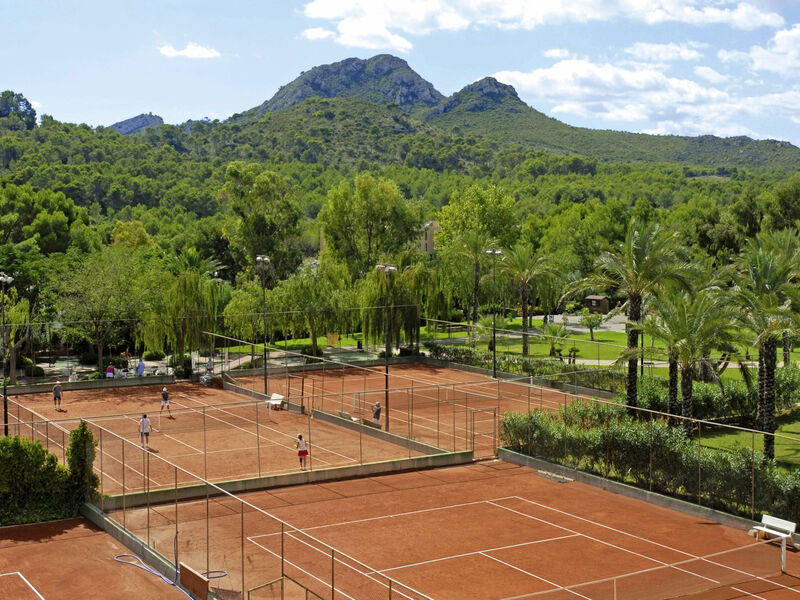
(316, 295)
(18, 315)
(188, 305)
(378, 291)
(242, 315)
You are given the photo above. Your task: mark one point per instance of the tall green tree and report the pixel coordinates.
(523, 267)
(648, 259)
(188, 303)
(691, 326)
(267, 216)
(102, 294)
(765, 292)
(366, 219)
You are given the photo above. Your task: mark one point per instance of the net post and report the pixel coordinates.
(360, 430)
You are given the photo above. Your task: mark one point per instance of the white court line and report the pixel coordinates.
(640, 538)
(476, 552)
(556, 587)
(28, 583)
(322, 448)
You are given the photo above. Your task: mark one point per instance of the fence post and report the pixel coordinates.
(102, 472)
(175, 470)
(753, 475)
(242, 546)
(147, 496)
(651, 451)
(333, 572)
(122, 440)
(205, 447)
(258, 440)
(699, 446)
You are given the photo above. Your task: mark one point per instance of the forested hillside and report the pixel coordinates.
(165, 224)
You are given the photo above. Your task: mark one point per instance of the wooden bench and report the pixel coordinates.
(775, 527)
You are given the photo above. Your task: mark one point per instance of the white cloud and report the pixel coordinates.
(36, 105)
(665, 52)
(318, 33)
(710, 74)
(386, 23)
(781, 54)
(191, 50)
(557, 53)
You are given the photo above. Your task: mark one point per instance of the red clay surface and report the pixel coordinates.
(239, 440)
(68, 560)
(488, 531)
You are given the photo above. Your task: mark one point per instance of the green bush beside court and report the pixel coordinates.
(605, 440)
(35, 487)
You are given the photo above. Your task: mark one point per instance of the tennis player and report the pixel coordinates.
(165, 403)
(302, 450)
(57, 396)
(144, 431)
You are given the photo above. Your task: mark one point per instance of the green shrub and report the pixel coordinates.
(96, 375)
(32, 371)
(153, 355)
(652, 454)
(87, 358)
(80, 458)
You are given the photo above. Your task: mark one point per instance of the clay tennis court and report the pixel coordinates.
(487, 531)
(63, 560)
(234, 438)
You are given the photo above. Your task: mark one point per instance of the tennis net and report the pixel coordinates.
(732, 571)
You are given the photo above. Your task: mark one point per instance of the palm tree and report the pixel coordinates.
(765, 292)
(648, 259)
(787, 243)
(521, 265)
(472, 246)
(691, 325)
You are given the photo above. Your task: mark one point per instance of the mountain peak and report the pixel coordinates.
(382, 79)
(137, 123)
(484, 94)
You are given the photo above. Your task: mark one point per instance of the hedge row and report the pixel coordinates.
(733, 402)
(35, 487)
(606, 441)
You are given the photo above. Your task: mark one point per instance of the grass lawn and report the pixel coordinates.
(787, 451)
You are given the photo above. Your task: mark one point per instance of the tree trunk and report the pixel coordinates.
(768, 407)
(787, 349)
(686, 401)
(591, 333)
(634, 314)
(100, 347)
(524, 298)
(476, 288)
(759, 421)
(672, 394)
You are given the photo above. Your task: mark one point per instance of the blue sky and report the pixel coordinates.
(689, 67)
